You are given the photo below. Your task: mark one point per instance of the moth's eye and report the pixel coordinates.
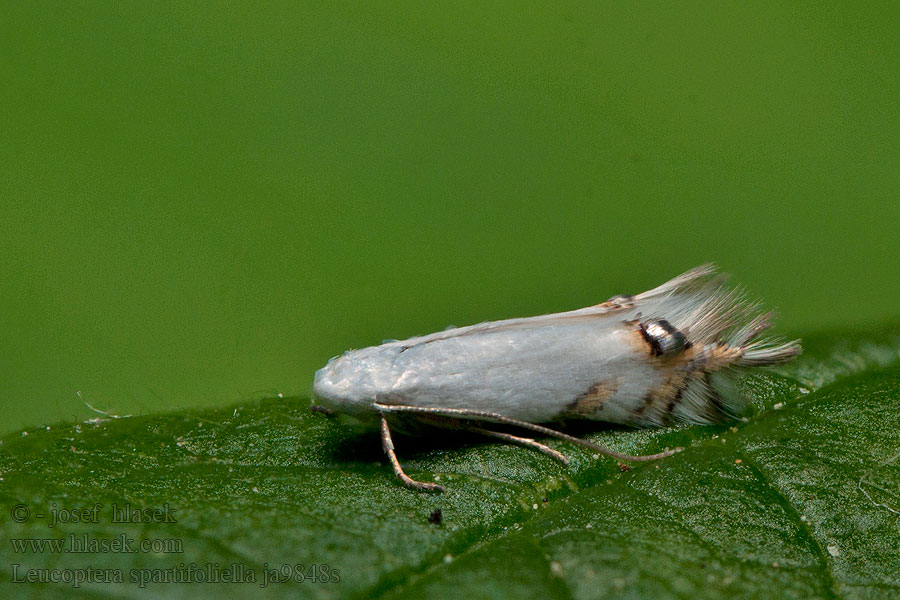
(663, 338)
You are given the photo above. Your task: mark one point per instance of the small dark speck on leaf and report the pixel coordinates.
(436, 517)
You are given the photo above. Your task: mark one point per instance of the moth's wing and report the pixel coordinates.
(687, 280)
(563, 318)
(622, 305)
(722, 330)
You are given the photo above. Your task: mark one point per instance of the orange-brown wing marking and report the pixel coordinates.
(592, 401)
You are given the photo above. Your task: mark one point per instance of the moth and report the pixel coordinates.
(668, 355)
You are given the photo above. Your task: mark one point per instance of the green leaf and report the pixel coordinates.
(800, 498)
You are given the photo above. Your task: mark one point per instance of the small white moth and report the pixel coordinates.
(667, 355)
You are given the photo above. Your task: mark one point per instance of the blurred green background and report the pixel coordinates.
(203, 202)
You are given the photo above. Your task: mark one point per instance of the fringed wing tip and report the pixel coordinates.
(701, 272)
(770, 354)
(726, 328)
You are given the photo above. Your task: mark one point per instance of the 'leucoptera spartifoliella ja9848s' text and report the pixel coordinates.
(669, 355)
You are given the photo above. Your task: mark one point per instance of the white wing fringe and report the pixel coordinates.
(725, 328)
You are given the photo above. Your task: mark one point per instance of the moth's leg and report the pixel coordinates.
(321, 409)
(514, 439)
(388, 446)
(498, 418)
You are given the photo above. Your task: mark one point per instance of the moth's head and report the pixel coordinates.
(351, 383)
(335, 382)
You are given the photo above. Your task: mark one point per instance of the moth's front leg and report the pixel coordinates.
(388, 444)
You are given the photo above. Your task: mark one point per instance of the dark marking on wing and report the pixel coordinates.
(649, 400)
(592, 400)
(663, 338)
(674, 401)
(666, 396)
